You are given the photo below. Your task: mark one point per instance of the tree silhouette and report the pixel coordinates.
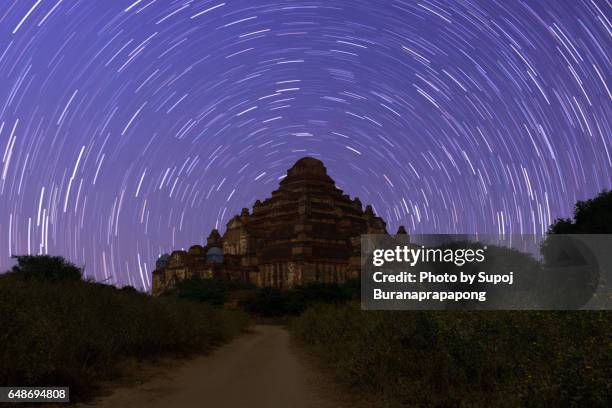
(575, 272)
(593, 216)
(46, 267)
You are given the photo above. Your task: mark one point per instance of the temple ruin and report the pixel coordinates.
(307, 231)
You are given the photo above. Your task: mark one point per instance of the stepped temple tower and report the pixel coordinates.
(308, 231)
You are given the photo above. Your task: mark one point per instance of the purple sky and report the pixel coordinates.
(131, 128)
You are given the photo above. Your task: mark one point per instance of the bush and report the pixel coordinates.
(212, 291)
(271, 302)
(466, 359)
(45, 267)
(73, 333)
(268, 302)
(202, 290)
(592, 216)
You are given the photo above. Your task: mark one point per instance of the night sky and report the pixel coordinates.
(131, 128)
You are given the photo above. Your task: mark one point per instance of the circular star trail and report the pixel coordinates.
(131, 128)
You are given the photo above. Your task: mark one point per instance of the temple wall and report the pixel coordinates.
(307, 231)
(236, 241)
(285, 275)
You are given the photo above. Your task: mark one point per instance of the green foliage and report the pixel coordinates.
(465, 359)
(271, 302)
(73, 333)
(46, 267)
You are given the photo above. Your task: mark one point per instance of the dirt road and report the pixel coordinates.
(259, 369)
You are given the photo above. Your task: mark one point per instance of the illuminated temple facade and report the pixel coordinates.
(308, 231)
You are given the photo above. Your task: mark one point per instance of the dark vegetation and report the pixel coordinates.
(45, 268)
(560, 251)
(274, 303)
(60, 330)
(465, 358)
(472, 358)
(593, 216)
(57, 328)
(211, 291)
(266, 302)
(529, 278)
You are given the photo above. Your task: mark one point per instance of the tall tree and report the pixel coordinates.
(593, 216)
(575, 273)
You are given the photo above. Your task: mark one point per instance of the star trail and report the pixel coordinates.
(131, 128)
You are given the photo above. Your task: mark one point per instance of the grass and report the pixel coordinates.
(75, 333)
(465, 359)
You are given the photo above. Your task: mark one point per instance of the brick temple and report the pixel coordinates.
(308, 231)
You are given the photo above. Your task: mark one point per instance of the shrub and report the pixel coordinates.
(212, 291)
(72, 333)
(202, 290)
(46, 267)
(471, 359)
(592, 216)
(268, 302)
(271, 302)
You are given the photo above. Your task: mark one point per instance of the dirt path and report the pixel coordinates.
(259, 369)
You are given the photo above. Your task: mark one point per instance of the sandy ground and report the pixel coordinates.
(259, 369)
